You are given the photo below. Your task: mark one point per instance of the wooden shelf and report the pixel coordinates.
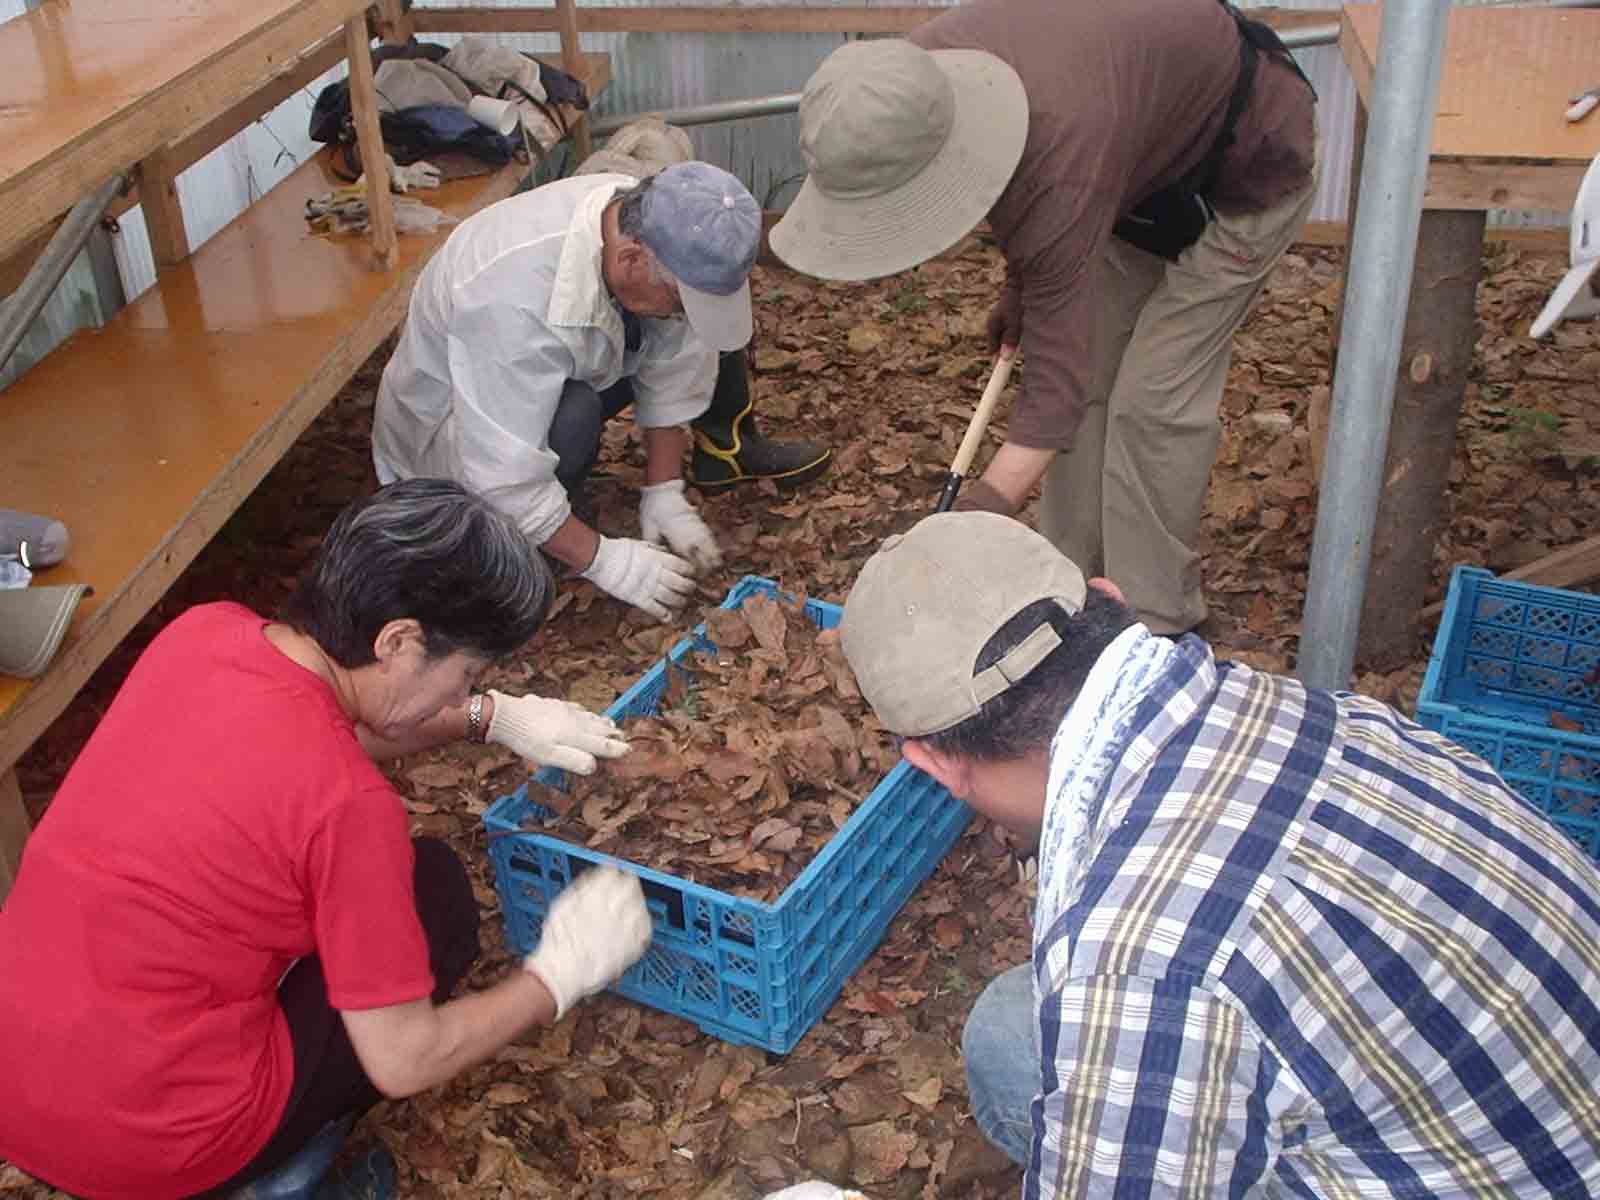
(1500, 139)
(145, 435)
(93, 86)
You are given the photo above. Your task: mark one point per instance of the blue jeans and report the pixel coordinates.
(1000, 1045)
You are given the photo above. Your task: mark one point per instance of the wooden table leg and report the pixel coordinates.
(369, 140)
(572, 64)
(394, 27)
(13, 830)
(1413, 506)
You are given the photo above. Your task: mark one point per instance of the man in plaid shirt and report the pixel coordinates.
(1287, 942)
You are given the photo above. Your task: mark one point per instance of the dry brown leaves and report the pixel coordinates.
(621, 1101)
(755, 758)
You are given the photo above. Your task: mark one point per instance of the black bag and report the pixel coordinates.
(414, 133)
(1169, 221)
(1166, 223)
(408, 135)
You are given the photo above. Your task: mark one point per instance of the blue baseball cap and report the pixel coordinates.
(705, 228)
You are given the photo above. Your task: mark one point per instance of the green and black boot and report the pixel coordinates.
(730, 449)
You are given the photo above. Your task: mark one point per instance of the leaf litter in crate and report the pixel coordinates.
(759, 752)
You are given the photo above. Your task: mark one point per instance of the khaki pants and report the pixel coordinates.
(1125, 501)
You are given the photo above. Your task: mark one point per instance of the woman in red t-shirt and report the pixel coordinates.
(222, 944)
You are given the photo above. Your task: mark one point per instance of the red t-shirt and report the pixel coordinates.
(222, 822)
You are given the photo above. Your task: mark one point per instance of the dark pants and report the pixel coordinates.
(575, 430)
(582, 413)
(328, 1080)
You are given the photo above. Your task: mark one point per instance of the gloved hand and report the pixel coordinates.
(554, 733)
(644, 576)
(1005, 321)
(814, 1190)
(665, 516)
(417, 175)
(595, 930)
(977, 496)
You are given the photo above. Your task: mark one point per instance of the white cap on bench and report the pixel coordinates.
(1572, 298)
(33, 620)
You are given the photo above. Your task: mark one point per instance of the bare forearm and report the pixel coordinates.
(1015, 470)
(449, 725)
(422, 1048)
(574, 543)
(663, 453)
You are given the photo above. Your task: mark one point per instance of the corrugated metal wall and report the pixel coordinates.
(649, 71)
(652, 71)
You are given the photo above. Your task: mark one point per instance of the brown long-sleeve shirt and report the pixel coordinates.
(1124, 97)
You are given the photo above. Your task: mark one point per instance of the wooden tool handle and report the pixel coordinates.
(980, 418)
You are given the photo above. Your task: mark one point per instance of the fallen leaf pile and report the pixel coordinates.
(622, 1101)
(756, 757)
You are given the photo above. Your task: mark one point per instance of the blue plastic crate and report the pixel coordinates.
(744, 970)
(1507, 656)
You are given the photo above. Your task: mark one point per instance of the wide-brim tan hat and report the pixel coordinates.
(907, 148)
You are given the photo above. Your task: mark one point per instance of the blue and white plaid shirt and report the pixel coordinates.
(1311, 949)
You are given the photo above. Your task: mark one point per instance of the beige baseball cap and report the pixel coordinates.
(928, 601)
(907, 150)
(33, 620)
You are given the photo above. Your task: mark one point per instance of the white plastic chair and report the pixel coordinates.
(1573, 297)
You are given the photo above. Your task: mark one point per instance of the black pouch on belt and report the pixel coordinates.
(1169, 221)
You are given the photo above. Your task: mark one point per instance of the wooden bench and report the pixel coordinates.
(145, 435)
(1499, 140)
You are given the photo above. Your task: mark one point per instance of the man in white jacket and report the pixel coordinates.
(554, 308)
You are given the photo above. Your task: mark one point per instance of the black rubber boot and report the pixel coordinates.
(730, 449)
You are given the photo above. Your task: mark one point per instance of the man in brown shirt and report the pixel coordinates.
(1057, 119)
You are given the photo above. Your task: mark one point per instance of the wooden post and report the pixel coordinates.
(369, 140)
(394, 26)
(1435, 355)
(163, 214)
(13, 830)
(572, 64)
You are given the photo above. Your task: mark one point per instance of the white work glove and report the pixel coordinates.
(665, 516)
(815, 1190)
(596, 929)
(554, 733)
(417, 175)
(648, 578)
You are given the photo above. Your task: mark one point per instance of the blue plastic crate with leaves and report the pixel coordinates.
(745, 970)
(1510, 679)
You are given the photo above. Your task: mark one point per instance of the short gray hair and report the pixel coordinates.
(630, 223)
(430, 550)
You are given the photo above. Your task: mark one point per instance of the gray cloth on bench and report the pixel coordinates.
(33, 620)
(409, 82)
(46, 537)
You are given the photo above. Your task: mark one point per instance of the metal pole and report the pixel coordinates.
(705, 114)
(19, 310)
(1313, 35)
(1383, 246)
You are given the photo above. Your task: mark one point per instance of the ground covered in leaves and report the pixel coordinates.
(621, 1100)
